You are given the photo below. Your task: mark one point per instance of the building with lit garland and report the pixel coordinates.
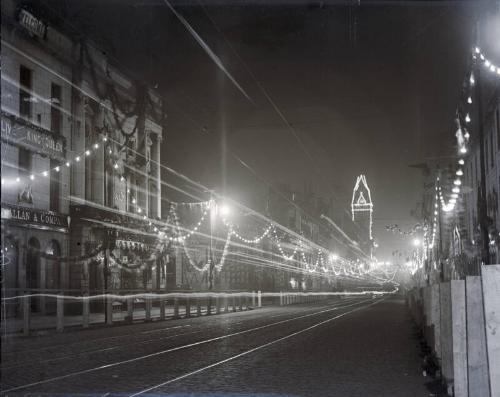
(464, 242)
(461, 205)
(82, 206)
(36, 139)
(80, 166)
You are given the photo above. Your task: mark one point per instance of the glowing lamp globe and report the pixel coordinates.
(225, 210)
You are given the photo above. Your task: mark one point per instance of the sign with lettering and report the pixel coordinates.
(21, 133)
(33, 216)
(32, 24)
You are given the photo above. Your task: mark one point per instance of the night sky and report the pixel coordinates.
(373, 104)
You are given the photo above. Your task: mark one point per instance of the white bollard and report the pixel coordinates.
(259, 299)
(148, 302)
(26, 315)
(176, 307)
(217, 304)
(85, 312)
(60, 313)
(188, 307)
(130, 310)
(198, 306)
(109, 311)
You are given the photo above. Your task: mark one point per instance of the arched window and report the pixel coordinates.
(10, 276)
(10, 267)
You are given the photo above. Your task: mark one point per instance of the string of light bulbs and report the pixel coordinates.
(254, 240)
(186, 235)
(280, 248)
(462, 134)
(479, 55)
(179, 236)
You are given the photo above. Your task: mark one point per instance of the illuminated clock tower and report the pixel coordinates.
(362, 213)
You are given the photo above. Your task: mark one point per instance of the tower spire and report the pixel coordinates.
(362, 210)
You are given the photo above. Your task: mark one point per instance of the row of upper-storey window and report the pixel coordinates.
(473, 168)
(35, 95)
(27, 98)
(492, 133)
(491, 150)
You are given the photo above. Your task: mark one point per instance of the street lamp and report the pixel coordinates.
(225, 210)
(416, 242)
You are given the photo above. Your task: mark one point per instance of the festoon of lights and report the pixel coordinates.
(429, 241)
(75, 160)
(180, 235)
(299, 248)
(183, 236)
(46, 173)
(462, 134)
(280, 248)
(396, 229)
(254, 240)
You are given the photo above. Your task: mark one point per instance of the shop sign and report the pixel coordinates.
(32, 24)
(33, 216)
(21, 133)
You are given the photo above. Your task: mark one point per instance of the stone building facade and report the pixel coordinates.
(36, 134)
(81, 180)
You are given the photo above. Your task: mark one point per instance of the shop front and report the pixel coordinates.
(34, 244)
(130, 259)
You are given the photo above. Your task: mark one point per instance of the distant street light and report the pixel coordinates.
(416, 242)
(225, 210)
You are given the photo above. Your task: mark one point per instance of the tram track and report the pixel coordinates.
(55, 378)
(142, 342)
(247, 352)
(133, 332)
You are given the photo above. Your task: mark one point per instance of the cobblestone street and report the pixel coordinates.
(351, 347)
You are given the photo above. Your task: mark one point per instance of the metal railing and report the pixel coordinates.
(26, 310)
(36, 309)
